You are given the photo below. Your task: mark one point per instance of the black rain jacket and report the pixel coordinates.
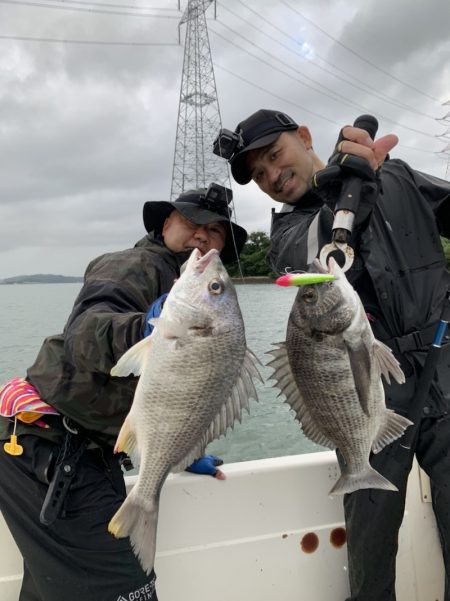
(72, 369)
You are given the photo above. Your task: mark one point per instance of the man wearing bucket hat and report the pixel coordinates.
(61, 481)
(400, 274)
(200, 210)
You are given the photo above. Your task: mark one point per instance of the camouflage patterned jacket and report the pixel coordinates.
(71, 371)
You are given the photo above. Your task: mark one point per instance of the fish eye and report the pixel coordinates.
(215, 286)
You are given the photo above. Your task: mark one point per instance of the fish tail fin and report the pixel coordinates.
(139, 523)
(368, 478)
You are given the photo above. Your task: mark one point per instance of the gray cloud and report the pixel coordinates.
(87, 132)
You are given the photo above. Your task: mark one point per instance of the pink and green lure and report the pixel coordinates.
(304, 279)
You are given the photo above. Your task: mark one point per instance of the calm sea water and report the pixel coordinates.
(29, 313)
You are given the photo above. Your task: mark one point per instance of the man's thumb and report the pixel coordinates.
(383, 146)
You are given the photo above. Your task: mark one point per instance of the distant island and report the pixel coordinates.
(41, 278)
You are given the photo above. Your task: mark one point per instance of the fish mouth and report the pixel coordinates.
(198, 262)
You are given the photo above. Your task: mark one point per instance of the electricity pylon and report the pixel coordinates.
(194, 164)
(445, 152)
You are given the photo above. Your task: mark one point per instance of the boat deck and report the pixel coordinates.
(269, 531)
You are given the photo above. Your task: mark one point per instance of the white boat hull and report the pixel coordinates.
(269, 531)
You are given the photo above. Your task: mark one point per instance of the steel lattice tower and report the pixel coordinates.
(194, 164)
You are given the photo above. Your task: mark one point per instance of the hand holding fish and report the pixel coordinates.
(207, 466)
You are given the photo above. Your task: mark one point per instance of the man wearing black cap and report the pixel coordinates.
(400, 274)
(59, 495)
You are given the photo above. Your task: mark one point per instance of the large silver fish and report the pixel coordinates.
(330, 370)
(195, 378)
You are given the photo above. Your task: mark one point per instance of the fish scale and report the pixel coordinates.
(190, 416)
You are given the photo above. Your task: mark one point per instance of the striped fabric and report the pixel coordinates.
(19, 397)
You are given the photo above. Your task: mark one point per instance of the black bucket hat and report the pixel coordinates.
(201, 206)
(259, 130)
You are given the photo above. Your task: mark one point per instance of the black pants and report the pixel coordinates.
(75, 558)
(373, 517)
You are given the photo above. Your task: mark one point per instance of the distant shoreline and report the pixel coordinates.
(62, 279)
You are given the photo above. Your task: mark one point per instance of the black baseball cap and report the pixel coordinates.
(200, 207)
(259, 130)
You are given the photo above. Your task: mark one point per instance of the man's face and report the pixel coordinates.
(182, 235)
(285, 168)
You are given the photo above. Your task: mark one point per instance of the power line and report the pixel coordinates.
(95, 42)
(367, 86)
(339, 97)
(137, 44)
(86, 10)
(278, 70)
(108, 5)
(285, 100)
(295, 10)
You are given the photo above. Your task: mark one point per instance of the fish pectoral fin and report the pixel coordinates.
(132, 362)
(387, 363)
(392, 427)
(126, 441)
(361, 365)
(285, 381)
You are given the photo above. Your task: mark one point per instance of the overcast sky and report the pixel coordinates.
(87, 131)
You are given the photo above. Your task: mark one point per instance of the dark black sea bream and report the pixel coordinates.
(330, 370)
(195, 378)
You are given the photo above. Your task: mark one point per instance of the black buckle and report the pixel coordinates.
(284, 119)
(72, 449)
(125, 462)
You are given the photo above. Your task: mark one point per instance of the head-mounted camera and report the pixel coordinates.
(227, 143)
(217, 198)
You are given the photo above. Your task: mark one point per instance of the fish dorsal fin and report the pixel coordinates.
(387, 363)
(361, 365)
(285, 382)
(231, 410)
(392, 427)
(132, 362)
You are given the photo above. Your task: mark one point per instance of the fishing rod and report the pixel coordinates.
(426, 378)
